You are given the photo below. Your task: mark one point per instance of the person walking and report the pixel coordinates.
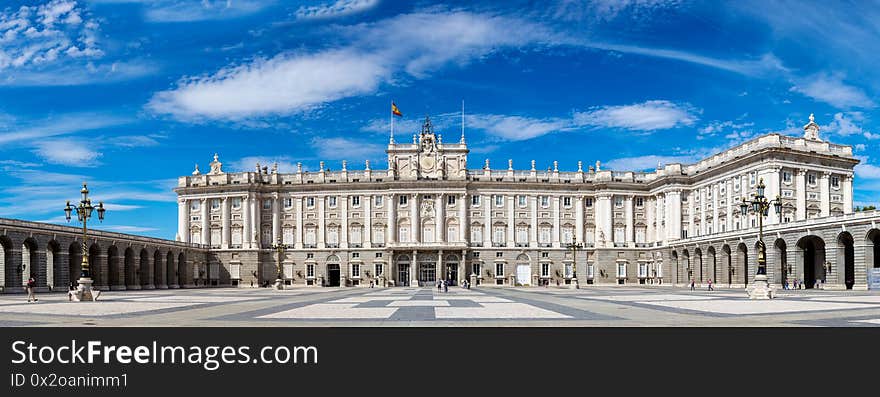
(692, 284)
(710, 285)
(31, 286)
(445, 286)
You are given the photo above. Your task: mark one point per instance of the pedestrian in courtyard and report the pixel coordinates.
(710, 285)
(31, 286)
(692, 284)
(371, 283)
(445, 286)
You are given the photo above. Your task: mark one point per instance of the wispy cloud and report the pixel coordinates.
(647, 162)
(647, 116)
(339, 8)
(65, 124)
(74, 74)
(192, 11)
(69, 152)
(340, 148)
(831, 89)
(516, 128)
(291, 83)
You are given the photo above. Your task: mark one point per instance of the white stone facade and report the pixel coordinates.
(427, 216)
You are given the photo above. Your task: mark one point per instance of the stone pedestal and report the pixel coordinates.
(473, 280)
(84, 292)
(279, 284)
(761, 288)
(574, 284)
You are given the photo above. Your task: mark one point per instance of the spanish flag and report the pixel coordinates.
(395, 111)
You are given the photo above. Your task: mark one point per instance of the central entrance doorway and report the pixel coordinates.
(403, 274)
(427, 274)
(452, 273)
(523, 274)
(333, 275)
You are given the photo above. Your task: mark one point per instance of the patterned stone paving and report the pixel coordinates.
(483, 306)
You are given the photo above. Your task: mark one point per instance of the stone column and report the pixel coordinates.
(183, 220)
(730, 208)
(701, 193)
(487, 217)
(715, 200)
(256, 236)
(801, 194)
(392, 220)
(533, 229)
(847, 182)
(556, 237)
(579, 219)
(650, 217)
(276, 217)
(343, 233)
(463, 219)
(298, 236)
(206, 222)
(416, 224)
(511, 220)
(440, 213)
(321, 201)
(604, 237)
(226, 219)
(824, 197)
(772, 190)
(628, 217)
(367, 235)
(692, 195)
(246, 222)
(414, 270)
(673, 215)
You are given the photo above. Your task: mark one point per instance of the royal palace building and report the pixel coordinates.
(425, 216)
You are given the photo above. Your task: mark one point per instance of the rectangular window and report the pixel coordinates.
(403, 234)
(379, 235)
(267, 204)
(835, 181)
(640, 201)
(811, 178)
(499, 200)
(287, 235)
(568, 270)
(544, 235)
(355, 270)
(753, 176)
(475, 200)
(331, 201)
(618, 201)
(498, 235)
(566, 201)
(475, 268)
(477, 234)
(380, 269)
(215, 204)
(521, 200)
(310, 202)
(450, 200)
(499, 270)
(589, 201)
(402, 200)
(545, 201)
(522, 234)
(355, 201)
(786, 176)
(215, 237)
(310, 270)
(452, 233)
(288, 202)
(377, 200)
(545, 270)
(236, 203)
(236, 237)
(194, 205)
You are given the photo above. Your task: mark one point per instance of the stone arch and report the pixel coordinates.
(30, 260)
(54, 267)
(170, 270)
(182, 270)
(780, 261)
(129, 266)
(872, 253)
(688, 269)
(113, 267)
(727, 261)
(674, 257)
(158, 270)
(6, 263)
(811, 253)
(144, 268)
(95, 269)
(846, 259)
(712, 262)
(742, 252)
(74, 262)
(698, 263)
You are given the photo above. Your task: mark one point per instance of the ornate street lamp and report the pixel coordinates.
(574, 247)
(83, 213)
(279, 246)
(760, 206)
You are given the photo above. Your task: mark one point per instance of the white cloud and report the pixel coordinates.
(843, 124)
(286, 164)
(756, 67)
(34, 36)
(67, 152)
(648, 162)
(647, 116)
(717, 127)
(337, 9)
(860, 147)
(516, 128)
(832, 90)
(347, 149)
(34, 131)
(77, 74)
(191, 10)
(291, 83)
(867, 171)
(870, 135)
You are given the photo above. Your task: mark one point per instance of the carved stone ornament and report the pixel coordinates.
(427, 208)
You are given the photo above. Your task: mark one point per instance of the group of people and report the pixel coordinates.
(709, 283)
(796, 284)
(443, 285)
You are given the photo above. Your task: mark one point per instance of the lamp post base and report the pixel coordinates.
(279, 284)
(761, 288)
(84, 292)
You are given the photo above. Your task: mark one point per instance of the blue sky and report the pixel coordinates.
(130, 94)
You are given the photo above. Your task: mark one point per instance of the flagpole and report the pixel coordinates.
(391, 141)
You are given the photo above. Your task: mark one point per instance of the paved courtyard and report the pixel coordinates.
(400, 307)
